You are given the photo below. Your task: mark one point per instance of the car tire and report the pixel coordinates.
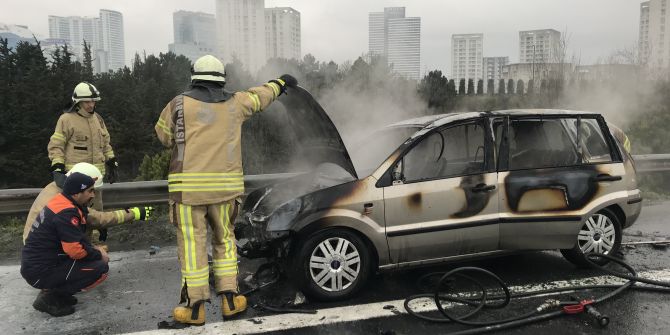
(332, 264)
(601, 233)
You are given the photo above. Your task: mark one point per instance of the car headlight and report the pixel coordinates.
(282, 217)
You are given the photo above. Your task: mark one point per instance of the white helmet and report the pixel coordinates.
(208, 68)
(89, 170)
(85, 92)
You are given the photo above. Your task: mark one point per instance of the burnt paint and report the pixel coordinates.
(577, 183)
(414, 201)
(475, 202)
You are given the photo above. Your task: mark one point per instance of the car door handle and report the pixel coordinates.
(606, 177)
(483, 188)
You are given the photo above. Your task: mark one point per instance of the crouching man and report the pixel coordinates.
(57, 258)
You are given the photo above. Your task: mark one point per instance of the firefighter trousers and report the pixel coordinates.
(191, 223)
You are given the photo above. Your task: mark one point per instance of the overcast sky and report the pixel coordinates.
(338, 29)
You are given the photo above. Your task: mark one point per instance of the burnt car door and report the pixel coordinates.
(554, 170)
(442, 200)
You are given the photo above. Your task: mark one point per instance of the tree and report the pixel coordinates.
(519, 87)
(433, 88)
(471, 87)
(480, 87)
(490, 87)
(87, 66)
(510, 86)
(451, 88)
(501, 86)
(461, 87)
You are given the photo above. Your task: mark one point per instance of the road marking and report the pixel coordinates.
(372, 310)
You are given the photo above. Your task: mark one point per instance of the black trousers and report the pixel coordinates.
(71, 276)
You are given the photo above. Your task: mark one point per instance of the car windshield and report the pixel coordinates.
(370, 152)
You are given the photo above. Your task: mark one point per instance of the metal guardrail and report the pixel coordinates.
(119, 195)
(652, 163)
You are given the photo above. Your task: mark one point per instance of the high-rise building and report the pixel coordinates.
(466, 57)
(397, 38)
(241, 32)
(493, 69)
(539, 46)
(282, 33)
(113, 43)
(103, 34)
(194, 34)
(643, 41)
(14, 34)
(655, 33)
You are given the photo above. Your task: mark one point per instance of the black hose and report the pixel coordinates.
(537, 314)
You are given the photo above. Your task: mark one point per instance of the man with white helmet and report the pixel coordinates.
(81, 136)
(97, 219)
(202, 126)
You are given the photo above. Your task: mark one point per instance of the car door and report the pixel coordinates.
(554, 170)
(443, 198)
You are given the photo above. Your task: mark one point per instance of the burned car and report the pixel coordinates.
(451, 187)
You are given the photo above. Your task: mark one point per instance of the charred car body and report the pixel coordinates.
(448, 187)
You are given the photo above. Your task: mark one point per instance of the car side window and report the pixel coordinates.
(593, 144)
(540, 143)
(450, 152)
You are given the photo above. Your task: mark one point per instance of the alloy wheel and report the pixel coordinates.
(334, 264)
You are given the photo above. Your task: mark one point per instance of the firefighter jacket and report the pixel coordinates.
(57, 235)
(80, 137)
(205, 137)
(96, 219)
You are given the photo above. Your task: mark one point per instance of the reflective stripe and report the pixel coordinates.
(163, 126)
(626, 144)
(225, 239)
(255, 100)
(58, 136)
(275, 88)
(195, 274)
(186, 226)
(196, 278)
(205, 189)
(205, 182)
(107, 153)
(120, 216)
(57, 160)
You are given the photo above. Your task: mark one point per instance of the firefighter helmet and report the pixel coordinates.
(89, 170)
(208, 68)
(85, 92)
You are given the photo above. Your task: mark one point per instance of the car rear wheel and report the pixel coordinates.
(332, 264)
(601, 233)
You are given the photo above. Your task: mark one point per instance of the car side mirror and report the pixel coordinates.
(397, 177)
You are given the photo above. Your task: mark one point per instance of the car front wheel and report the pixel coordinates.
(332, 264)
(601, 234)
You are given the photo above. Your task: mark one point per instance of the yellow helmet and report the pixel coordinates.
(85, 92)
(89, 170)
(208, 68)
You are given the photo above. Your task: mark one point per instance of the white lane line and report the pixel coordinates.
(369, 311)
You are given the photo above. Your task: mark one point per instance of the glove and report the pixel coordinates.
(111, 172)
(286, 80)
(141, 213)
(103, 236)
(58, 167)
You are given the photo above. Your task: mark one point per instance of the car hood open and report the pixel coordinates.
(317, 138)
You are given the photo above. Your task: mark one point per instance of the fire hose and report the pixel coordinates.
(549, 309)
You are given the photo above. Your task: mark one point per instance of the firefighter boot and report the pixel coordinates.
(194, 315)
(48, 302)
(232, 303)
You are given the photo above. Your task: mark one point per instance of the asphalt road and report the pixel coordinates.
(143, 289)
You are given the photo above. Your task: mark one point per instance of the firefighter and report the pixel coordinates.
(96, 219)
(57, 258)
(202, 126)
(81, 136)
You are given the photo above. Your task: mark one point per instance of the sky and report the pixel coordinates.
(338, 29)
